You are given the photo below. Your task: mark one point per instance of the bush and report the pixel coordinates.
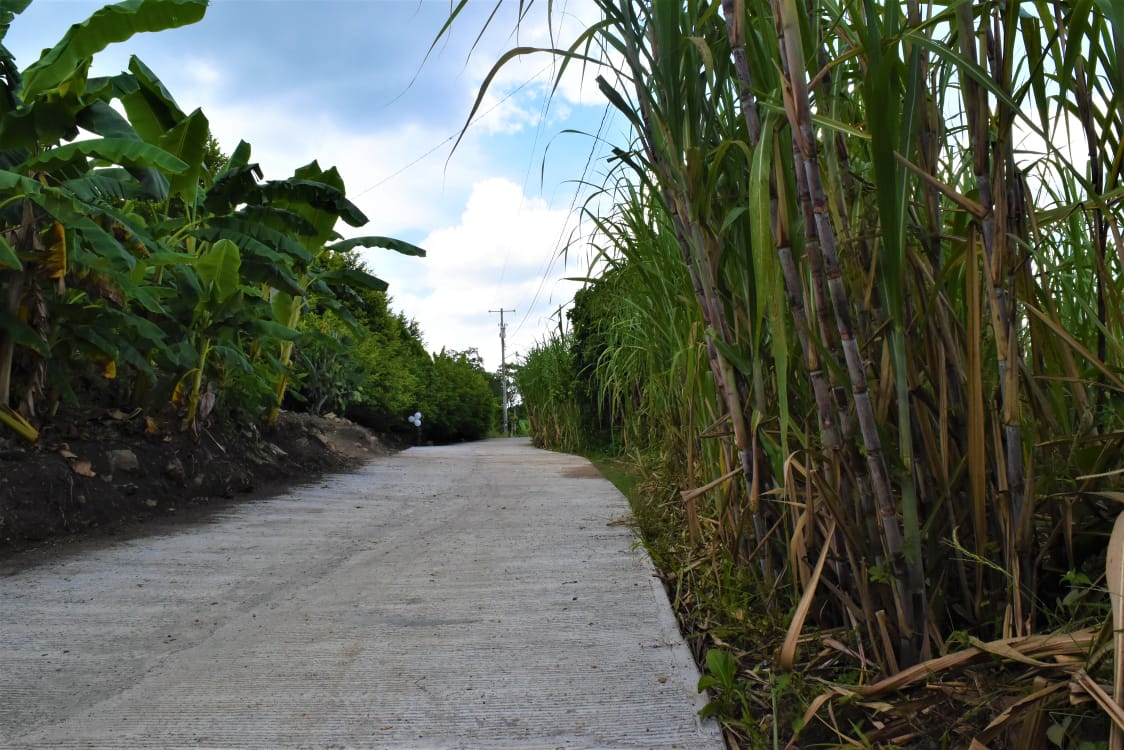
(459, 403)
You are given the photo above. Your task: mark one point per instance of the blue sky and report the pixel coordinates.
(347, 82)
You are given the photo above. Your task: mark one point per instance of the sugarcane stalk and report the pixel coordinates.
(912, 629)
(995, 251)
(734, 13)
(702, 273)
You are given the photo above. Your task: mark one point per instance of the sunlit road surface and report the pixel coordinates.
(475, 596)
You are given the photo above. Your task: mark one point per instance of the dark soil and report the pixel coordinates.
(113, 470)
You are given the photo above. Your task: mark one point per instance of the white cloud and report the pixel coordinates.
(506, 114)
(503, 253)
(203, 73)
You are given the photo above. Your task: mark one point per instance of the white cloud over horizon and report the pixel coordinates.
(500, 254)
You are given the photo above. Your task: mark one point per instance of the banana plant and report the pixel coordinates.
(317, 196)
(56, 217)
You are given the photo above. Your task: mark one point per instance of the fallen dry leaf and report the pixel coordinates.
(121, 415)
(83, 469)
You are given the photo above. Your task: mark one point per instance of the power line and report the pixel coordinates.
(454, 136)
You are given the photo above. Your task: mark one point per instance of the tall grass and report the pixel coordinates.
(898, 385)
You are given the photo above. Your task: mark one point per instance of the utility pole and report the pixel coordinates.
(503, 365)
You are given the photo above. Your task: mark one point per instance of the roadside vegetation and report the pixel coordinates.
(856, 322)
(143, 267)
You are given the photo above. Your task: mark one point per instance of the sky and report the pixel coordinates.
(350, 84)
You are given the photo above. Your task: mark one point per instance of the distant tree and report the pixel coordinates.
(373, 369)
(459, 403)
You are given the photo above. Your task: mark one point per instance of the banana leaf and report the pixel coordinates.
(114, 150)
(100, 118)
(352, 277)
(235, 185)
(68, 211)
(109, 184)
(388, 243)
(280, 241)
(8, 257)
(111, 24)
(188, 142)
(315, 194)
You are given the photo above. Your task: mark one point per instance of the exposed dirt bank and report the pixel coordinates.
(99, 473)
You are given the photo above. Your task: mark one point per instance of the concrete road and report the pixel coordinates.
(475, 596)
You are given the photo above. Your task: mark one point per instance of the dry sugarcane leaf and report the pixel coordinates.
(798, 549)
(1006, 651)
(1100, 475)
(1105, 701)
(1001, 720)
(792, 637)
(21, 426)
(813, 709)
(123, 415)
(1076, 346)
(887, 644)
(1114, 571)
(1042, 646)
(918, 672)
(691, 494)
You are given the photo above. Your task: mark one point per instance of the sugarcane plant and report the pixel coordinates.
(899, 225)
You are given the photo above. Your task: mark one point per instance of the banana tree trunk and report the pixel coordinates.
(12, 283)
(286, 359)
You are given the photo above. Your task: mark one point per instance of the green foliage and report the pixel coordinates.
(373, 369)
(867, 290)
(327, 374)
(458, 403)
(547, 382)
(147, 266)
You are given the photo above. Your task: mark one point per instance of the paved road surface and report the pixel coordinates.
(474, 596)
